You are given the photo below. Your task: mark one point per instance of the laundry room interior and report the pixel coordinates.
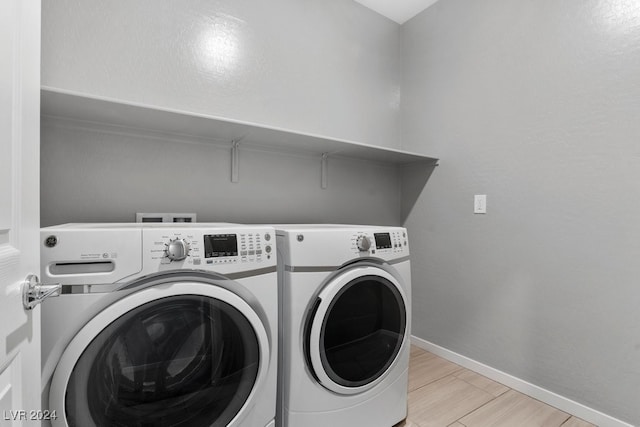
(328, 112)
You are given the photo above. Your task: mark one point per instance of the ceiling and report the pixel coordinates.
(397, 10)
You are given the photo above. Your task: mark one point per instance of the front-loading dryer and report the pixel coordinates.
(160, 325)
(345, 310)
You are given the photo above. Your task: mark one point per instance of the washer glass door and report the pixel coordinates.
(357, 330)
(180, 360)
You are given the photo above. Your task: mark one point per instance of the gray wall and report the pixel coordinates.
(325, 67)
(537, 105)
(94, 173)
(329, 67)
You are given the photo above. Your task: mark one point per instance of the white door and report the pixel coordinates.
(19, 209)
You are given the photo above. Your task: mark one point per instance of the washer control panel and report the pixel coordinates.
(195, 248)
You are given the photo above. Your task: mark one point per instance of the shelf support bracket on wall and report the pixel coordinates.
(235, 173)
(324, 166)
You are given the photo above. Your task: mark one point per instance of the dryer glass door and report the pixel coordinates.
(184, 360)
(357, 330)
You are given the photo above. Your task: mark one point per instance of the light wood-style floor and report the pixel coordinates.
(444, 394)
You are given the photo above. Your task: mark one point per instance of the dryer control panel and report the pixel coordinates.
(392, 242)
(310, 245)
(380, 243)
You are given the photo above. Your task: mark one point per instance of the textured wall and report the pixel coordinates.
(329, 67)
(536, 104)
(325, 67)
(94, 173)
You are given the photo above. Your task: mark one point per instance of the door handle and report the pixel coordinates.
(34, 292)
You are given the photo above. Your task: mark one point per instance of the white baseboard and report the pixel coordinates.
(546, 396)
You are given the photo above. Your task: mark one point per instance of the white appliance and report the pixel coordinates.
(160, 324)
(345, 310)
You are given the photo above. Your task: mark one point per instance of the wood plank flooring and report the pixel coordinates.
(443, 394)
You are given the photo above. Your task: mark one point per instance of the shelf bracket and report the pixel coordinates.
(324, 170)
(235, 173)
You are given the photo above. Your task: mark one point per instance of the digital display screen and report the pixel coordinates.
(383, 240)
(219, 245)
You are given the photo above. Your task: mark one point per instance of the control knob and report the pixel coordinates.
(363, 243)
(177, 249)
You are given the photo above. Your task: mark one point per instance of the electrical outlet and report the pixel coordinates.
(480, 204)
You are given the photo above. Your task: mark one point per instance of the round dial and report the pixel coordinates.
(363, 243)
(177, 249)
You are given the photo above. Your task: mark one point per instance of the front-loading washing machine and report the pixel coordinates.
(345, 310)
(160, 325)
